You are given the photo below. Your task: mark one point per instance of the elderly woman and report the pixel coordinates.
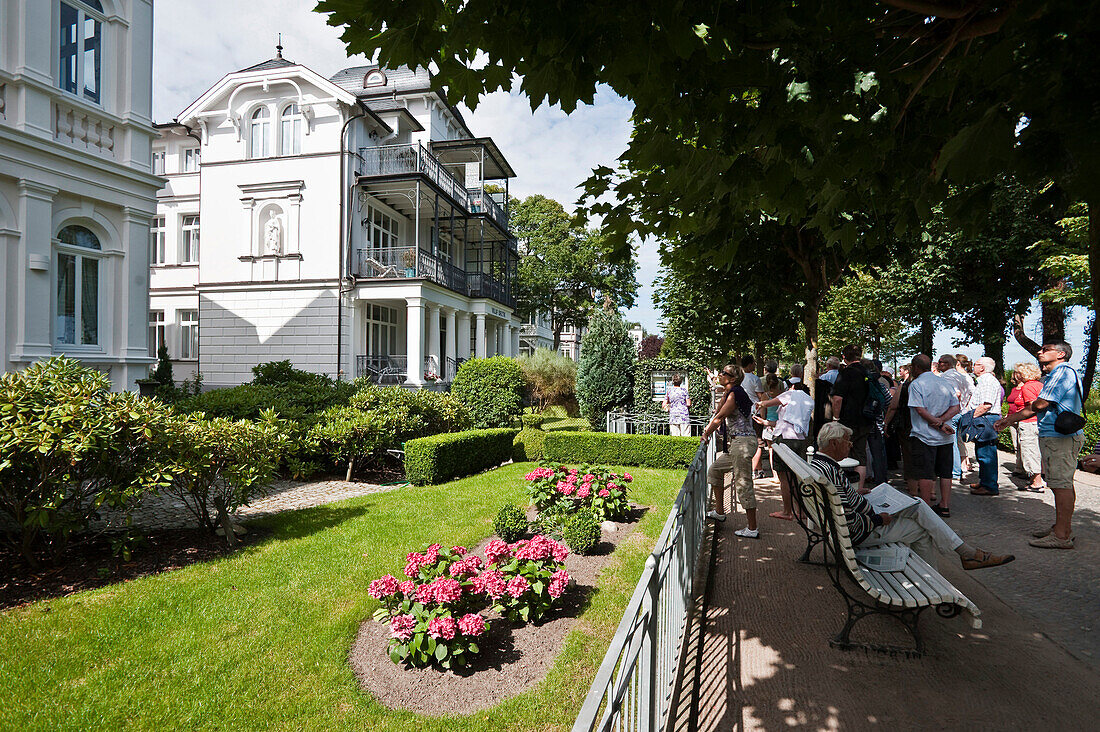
(676, 404)
(1025, 434)
(735, 412)
(918, 527)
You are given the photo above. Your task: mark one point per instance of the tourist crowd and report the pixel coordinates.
(938, 421)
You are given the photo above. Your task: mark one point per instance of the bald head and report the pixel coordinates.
(921, 364)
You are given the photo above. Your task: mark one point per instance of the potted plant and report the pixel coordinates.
(431, 376)
(409, 258)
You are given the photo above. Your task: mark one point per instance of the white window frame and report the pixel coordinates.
(259, 130)
(290, 130)
(80, 255)
(85, 14)
(159, 157)
(189, 334)
(383, 231)
(380, 327)
(189, 160)
(158, 332)
(190, 227)
(157, 238)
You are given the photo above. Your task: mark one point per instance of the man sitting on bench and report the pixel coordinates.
(920, 529)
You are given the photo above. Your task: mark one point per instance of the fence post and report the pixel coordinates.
(647, 677)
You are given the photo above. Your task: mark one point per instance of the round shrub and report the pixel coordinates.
(534, 421)
(510, 523)
(492, 389)
(528, 445)
(582, 532)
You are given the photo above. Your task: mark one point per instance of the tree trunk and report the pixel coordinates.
(758, 351)
(1094, 281)
(1054, 316)
(810, 322)
(227, 527)
(927, 335)
(557, 334)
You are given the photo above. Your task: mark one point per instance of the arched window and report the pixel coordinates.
(374, 77)
(260, 134)
(290, 130)
(77, 313)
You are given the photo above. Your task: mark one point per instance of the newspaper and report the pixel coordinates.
(888, 558)
(884, 498)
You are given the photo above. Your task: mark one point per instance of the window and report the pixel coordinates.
(374, 77)
(381, 330)
(77, 287)
(158, 163)
(190, 160)
(156, 241)
(260, 134)
(190, 253)
(156, 332)
(290, 131)
(381, 230)
(189, 334)
(81, 48)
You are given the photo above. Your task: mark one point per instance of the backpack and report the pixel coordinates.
(877, 399)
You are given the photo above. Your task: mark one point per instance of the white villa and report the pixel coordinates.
(537, 332)
(342, 223)
(77, 192)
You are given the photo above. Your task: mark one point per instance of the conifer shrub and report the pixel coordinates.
(605, 372)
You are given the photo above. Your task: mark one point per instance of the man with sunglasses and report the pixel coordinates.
(1062, 392)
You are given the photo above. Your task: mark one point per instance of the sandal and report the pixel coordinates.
(983, 559)
(781, 515)
(941, 512)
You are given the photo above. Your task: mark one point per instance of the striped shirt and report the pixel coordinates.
(862, 519)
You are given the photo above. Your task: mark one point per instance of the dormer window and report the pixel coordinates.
(374, 77)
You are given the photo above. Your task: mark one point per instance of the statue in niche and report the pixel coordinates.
(273, 235)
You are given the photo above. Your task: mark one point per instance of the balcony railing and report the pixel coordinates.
(485, 285)
(387, 262)
(410, 159)
(481, 202)
(441, 272)
(394, 369)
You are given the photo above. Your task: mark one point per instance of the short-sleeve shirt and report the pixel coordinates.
(936, 396)
(960, 383)
(795, 409)
(1023, 395)
(1060, 388)
(752, 386)
(830, 376)
(677, 404)
(851, 386)
(988, 391)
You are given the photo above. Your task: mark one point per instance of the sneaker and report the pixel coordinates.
(1050, 541)
(1042, 533)
(716, 516)
(984, 559)
(747, 533)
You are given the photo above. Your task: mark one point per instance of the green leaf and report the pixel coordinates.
(441, 651)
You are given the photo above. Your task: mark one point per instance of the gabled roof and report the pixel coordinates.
(401, 80)
(272, 63)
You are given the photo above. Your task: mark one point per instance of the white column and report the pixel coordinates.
(414, 340)
(33, 290)
(463, 336)
(515, 340)
(449, 349)
(131, 332)
(479, 335)
(433, 339)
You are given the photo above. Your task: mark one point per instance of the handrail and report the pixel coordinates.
(634, 684)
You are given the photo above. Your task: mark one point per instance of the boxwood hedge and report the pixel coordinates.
(433, 460)
(650, 451)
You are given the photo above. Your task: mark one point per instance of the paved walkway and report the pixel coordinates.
(165, 512)
(760, 659)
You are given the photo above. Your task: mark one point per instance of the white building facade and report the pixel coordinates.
(77, 191)
(538, 332)
(341, 223)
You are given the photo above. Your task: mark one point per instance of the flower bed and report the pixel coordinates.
(552, 486)
(435, 615)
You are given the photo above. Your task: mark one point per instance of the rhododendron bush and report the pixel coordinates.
(587, 486)
(434, 614)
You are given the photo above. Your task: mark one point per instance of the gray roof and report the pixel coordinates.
(401, 79)
(272, 63)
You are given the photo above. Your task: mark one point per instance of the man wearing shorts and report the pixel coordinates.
(932, 404)
(849, 394)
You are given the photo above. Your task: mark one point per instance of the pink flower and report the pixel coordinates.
(383, 587)
(471, 624)
(446, 590)
(425, 593)
(560, 551)
(459, 550)
(584, 492)
(588, 477)
(612, 486)
(412, 568)
(465, 567)
(401, 627)
(490, 582)
(517, 586)
(573, 471)
(496, 551)
(442, 628)
(568, 489)
(604, 493)
(406, 588)
(627, 478)
(432, 555)
(558, 582)
(562, 485)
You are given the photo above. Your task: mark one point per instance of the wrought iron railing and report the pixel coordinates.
(634, 685)
(627, 423)
(485, 285)
(482, 202)
(385, 262)
(441, 272)
(382, 369)
(387, 160)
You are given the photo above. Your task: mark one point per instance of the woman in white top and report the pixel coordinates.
(792, 428)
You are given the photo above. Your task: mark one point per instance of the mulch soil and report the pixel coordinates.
(513, 658)
(92, 564)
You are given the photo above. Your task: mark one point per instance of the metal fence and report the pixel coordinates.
(628, 423)
(634, 685)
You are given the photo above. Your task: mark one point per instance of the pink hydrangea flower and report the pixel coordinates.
(604, 493)
(517, 586)
(588, 477)
(627, 478)
(558, 582)
(568, 489)
(432, 555)
(407, 587)
(471, 624)
(446, 590)
(490, 582)
(412, 568)
(459, 550)
(560, 551)
(425, 593)
(383, 587)
(496, 551)
(583, 492)
(562, 485)
(442, 628)
(465, 567)
(401, 627)
(573, 471)
(612, 486)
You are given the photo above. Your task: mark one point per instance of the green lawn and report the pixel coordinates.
(260, 639)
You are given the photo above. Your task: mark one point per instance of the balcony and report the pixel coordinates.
(485, 203)
(485, 285)
(389, 161)
(408, 262)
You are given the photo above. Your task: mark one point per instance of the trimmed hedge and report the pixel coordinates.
(433, 460)
(698, 386)
(528, 445)
(650, 451)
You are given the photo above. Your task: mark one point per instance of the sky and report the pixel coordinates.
(196, 42)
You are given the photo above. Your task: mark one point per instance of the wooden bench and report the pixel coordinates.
(904, 594)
